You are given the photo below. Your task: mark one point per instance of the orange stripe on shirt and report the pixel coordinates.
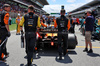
(43, 24)
(68, 26)
(6, 18)
(55, 23)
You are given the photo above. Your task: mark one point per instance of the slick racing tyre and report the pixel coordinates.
(72, 41)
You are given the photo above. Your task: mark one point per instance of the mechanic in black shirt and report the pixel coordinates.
(63, 27)
(31, 23)
(4, 30)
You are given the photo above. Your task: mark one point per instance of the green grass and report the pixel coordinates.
(12, 27)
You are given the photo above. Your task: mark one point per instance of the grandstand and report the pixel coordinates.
(95, 4)
(18, 6)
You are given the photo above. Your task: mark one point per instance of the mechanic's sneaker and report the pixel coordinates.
(7, 55)
(25, 57)
(2, 60)
(85, 50)
(90, 51)
(60, 57)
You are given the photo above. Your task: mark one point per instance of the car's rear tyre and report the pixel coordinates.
(72, 41)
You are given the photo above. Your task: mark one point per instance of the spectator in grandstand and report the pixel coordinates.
(14, 8)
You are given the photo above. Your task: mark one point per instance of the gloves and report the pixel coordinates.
(9, 34)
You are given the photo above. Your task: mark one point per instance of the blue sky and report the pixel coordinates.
(53, 2)
(55, 5)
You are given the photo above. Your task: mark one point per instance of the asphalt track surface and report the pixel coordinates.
(49, 57)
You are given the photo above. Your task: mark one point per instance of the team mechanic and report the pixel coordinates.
(4, 30)
(31, 23)
(71, 30)
(63, 27)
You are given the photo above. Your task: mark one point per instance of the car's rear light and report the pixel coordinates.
(38, 34)
(52, 43)
(46, 35)
(35, 48)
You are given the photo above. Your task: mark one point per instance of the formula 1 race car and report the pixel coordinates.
(96, 33)
(48, 37)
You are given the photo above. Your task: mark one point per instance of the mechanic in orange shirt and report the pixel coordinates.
(77, 21)
(54, 20)
(42, 23)
(4, 31)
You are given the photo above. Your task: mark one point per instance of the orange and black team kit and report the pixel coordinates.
(42, 22)
(63, 27)
(4, 18)
(31, 23)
